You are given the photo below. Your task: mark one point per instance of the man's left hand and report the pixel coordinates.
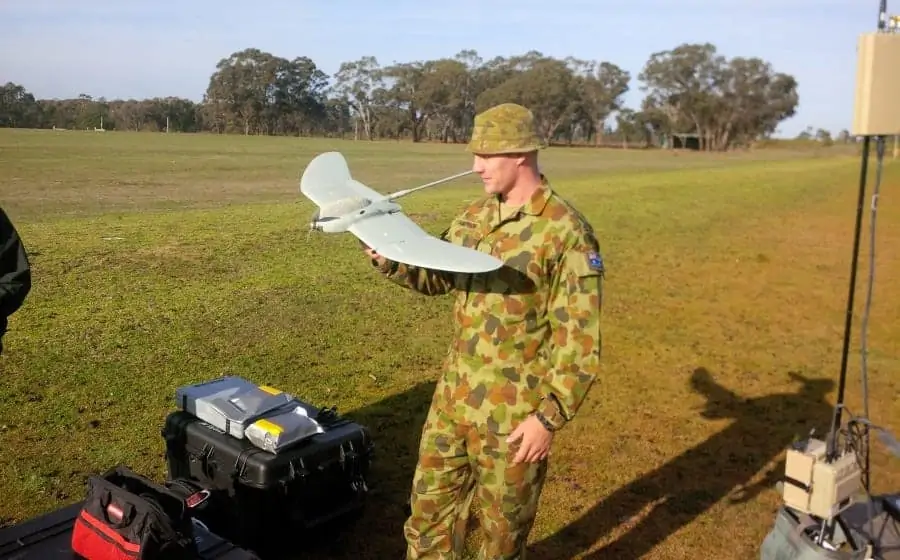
(535, 439)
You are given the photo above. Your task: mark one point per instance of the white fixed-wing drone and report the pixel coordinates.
(345, 204)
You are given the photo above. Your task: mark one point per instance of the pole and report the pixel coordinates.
(842, 380)
(831, 451)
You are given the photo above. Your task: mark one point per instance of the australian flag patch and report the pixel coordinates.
(595, 261)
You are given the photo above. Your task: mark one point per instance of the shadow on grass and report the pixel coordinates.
(395, 424)
(676, 493)
(685, 487)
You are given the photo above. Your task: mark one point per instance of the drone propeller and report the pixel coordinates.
(312, 223)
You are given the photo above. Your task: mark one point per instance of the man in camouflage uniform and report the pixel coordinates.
(525, 351)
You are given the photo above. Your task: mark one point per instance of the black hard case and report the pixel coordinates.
(49, 537)
(261, 497)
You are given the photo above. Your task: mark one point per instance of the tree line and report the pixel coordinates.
(691, 92)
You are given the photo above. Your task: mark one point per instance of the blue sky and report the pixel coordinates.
(130, 49)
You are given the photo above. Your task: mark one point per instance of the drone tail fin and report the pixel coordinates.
(326, 173)
(327, 179)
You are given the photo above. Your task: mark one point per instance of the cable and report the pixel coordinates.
(863, 446)
(864, 329)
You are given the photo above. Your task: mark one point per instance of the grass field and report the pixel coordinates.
(163, 260)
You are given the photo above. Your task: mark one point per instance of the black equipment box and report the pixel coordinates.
(49, 537)
(259, 498)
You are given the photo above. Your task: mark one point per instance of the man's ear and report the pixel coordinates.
(527, 159)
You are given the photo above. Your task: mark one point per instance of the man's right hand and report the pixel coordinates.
(377, 259)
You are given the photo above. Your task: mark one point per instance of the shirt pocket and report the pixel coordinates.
(510, 298)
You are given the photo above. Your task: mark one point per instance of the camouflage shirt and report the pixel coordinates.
(528, 334)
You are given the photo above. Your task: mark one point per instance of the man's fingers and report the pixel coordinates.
(537, 453)
(516, 434)
(368, 250)
(523, 453)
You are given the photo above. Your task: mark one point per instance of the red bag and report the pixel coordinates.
(129, 517)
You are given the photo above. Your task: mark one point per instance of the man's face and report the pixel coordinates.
(498, 172)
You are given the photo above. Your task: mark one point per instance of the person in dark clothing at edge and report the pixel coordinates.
(15, 273)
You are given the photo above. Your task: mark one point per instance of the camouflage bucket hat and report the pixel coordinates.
(504, 129)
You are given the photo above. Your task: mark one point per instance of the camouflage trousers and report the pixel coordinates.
(461, 465)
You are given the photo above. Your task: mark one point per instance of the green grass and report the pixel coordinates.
(162, 260)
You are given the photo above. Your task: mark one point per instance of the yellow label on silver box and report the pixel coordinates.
(270, 427)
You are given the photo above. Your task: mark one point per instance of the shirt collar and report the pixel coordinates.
(539, 199)
(534, 205)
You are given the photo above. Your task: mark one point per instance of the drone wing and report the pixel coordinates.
(327, 179)
(396, 237)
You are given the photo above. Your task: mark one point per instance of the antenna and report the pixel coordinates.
(876, 115)
(398, 194)
(822, 477)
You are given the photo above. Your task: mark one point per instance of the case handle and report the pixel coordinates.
(117, 516)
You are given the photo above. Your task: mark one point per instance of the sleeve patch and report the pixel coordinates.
(595, 261)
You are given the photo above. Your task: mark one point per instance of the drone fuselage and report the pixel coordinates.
(338, 216)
